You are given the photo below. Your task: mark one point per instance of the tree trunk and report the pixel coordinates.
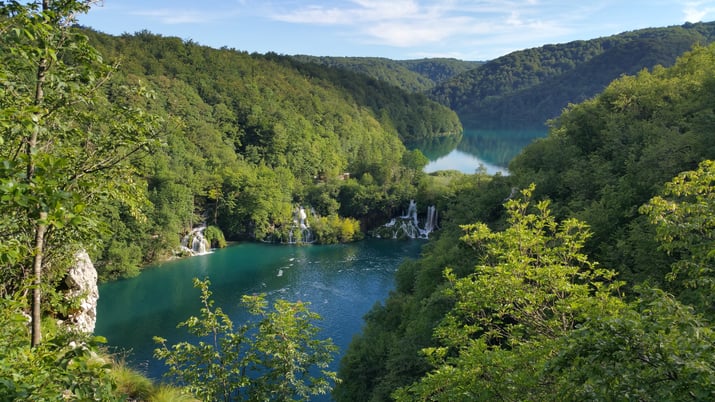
(40, 230)
(41, 224)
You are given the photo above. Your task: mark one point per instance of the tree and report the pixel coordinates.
(64, 146)
(657, 349)
(684, 217)
(64, 367)
(273, 358)
(531, 286)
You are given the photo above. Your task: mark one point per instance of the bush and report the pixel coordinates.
(215, 237)
(64, 365)
(335, 229)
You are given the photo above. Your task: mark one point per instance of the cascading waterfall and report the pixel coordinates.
(300, 231)
(407, 225)
(411, 212)
(431, 221)
(194, 243)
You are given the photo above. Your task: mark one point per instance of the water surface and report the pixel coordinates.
(490, 149)
(342, 283)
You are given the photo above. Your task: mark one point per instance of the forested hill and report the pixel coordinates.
(248, 137)
(416, 118)
(418, 75)
(527, 87)
(521, 297)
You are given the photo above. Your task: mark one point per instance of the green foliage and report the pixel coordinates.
(64, 366)
(66, 149)
(513, 332)
(243, 139)
(531, 286)
(656, 350)
(122, 260)
(386, 355)
(130, 382)
(528, 87)
(335, 229)
(171, 394)
(249, 136)
(215, 237)
(684, 217)
(417, 75)
(268, 359)
(532, 279)
(606, 157)
(415, 160)
(413, 116)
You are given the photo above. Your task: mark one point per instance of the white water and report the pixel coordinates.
(300, 231)
(408, 225)
(194, 243)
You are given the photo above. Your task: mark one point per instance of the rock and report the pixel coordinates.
(81, 281)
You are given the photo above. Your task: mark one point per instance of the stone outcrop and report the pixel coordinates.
(81, 282)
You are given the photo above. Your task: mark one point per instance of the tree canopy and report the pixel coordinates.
(631, 166)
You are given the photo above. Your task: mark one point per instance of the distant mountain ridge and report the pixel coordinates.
(418, 75)
(528, 87)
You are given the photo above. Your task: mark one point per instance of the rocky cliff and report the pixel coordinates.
(81, 284)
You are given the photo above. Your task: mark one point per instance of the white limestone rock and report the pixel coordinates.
(81, 281)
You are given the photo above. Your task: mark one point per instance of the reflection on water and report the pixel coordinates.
(491, 148)
(463, 162)
(440, 147)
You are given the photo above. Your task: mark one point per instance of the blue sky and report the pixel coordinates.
(396, 29)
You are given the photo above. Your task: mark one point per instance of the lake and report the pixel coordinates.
(342, 283)
(491, 148)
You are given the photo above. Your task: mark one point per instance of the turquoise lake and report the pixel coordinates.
(342, 283)
(490, 148)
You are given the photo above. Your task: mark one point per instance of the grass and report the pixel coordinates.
(135, 386)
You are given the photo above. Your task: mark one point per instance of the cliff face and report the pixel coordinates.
(81, 282)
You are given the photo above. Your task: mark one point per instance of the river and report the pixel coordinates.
(342, 283)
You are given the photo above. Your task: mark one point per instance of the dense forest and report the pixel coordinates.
(527, 87)
(586, 274)
(417, 75)
(417, 120)
(590, 283)
(245, 139)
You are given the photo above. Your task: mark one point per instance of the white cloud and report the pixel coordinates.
(176, 16)
(361, 11)
(406, 23)
(696, 11)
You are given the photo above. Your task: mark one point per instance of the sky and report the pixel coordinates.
(395, 29)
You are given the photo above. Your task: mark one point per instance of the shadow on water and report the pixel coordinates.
(492, 148)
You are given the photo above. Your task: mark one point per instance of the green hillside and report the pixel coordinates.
(496, 305)
(240, 141)
(418, 75)
(527, 87)
(416, 118)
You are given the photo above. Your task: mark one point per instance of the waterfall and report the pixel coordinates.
(408, 226)
(411, 212)
(300, 230)
(430, 222)
(302, 216)
(194, 243)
